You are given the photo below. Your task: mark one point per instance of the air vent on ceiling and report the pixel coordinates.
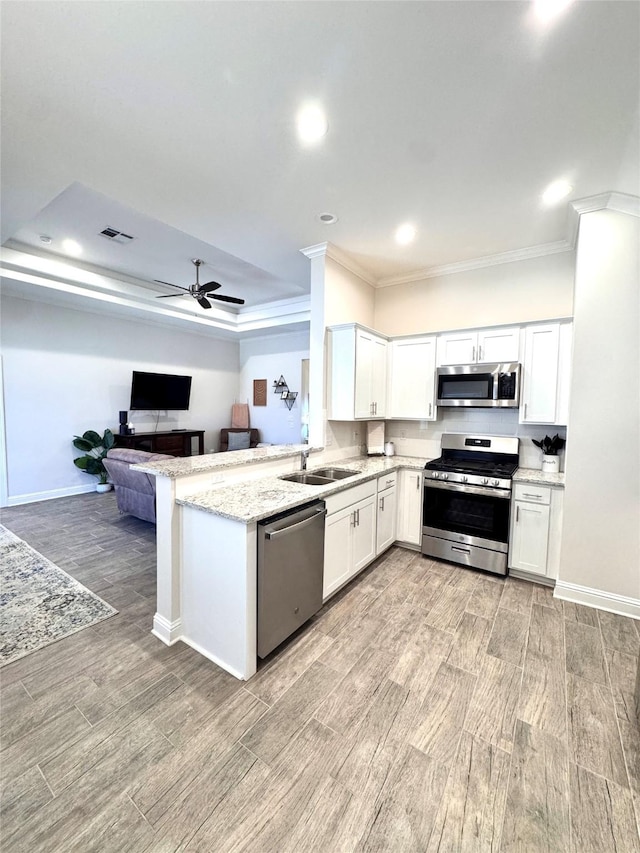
(115, 235)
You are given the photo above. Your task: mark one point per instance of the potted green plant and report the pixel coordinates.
(550, 448)
(95, 447)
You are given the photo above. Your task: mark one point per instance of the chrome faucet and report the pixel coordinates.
(303, 459)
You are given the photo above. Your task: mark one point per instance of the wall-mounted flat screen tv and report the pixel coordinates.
(151, 391)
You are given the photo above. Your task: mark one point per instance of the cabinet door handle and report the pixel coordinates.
(353, 518)
(525, 410)
(473, 357)
(381, 504)
(430, 407)
(517, 514)
(479, 353)
(358, 517)
(375, 408)
(418, 482)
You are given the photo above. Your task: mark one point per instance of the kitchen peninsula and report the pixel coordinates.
(208, 508)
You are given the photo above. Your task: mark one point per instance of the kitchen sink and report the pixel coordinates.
(335, 473)
(307, 479)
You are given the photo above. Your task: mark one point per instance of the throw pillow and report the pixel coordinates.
(239, 440)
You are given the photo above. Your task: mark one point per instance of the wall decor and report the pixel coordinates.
(259, 392)
(280, 387)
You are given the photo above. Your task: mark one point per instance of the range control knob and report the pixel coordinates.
(496, 482)
(435, 475)
(445, 476)
(464, 479)
(485, 481)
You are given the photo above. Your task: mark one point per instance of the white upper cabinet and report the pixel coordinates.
(411, 388)
(496, 346)
(356, 374)
(484, 346)
(545, 374)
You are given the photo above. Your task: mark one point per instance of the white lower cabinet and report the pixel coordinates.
(409, 507)
(536, 520)
(350, 535)
(387, 513)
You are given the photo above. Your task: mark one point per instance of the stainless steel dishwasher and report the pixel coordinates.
(290, 567)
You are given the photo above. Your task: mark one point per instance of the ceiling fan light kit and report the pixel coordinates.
(198, 291)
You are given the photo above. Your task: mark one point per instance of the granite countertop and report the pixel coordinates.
(534, 475)
(258, 499)
(183, 466)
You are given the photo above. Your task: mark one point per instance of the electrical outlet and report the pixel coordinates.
(403, 433)
(356, 434)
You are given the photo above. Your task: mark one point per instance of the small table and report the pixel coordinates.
(174, 442)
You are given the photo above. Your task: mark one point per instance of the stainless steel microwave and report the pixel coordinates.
(479, 385)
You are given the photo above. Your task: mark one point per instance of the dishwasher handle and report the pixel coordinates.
(276, 534)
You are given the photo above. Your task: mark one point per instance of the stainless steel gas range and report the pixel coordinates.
(467, 497)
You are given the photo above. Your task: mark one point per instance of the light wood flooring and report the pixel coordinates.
(425, 708)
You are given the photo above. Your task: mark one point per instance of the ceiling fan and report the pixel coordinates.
(198, 290)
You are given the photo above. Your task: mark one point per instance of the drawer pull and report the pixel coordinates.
(462, 550)
(529, 495)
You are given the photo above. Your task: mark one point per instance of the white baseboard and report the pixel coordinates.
(530, 576)
(609, 601)
(168, 632)
(33, 497)
(235, 672)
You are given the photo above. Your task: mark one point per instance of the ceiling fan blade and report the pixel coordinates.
(228, 299)
(209, 286)
(169, 295)
(171, 285)
(203, 302)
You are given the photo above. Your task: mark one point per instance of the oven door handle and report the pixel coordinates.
(504, 494)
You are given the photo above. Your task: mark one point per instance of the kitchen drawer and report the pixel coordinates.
(532, 493)
(339, 501)
(387, 481)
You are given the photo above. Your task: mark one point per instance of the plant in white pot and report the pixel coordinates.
(550, 448)
(95, 447)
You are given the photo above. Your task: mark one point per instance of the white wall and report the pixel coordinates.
(67, 371)
(269, 358)
(517, 292)
(348, 299)
(601, 530)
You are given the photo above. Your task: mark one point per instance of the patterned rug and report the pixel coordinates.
(39, 603)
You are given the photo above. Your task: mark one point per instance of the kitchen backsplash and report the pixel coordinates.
(422, 438)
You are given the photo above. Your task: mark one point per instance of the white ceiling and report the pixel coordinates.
(176, 120)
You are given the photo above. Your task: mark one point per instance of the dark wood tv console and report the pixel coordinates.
(174, 442)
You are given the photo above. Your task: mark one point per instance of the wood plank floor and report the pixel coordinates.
(425, 708)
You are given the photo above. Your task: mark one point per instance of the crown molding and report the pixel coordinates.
(316, 251)
(479, 263)
(620, 202)
(328, 250)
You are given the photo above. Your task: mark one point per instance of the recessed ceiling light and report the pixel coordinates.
(556, 191)
(71, 247)
(547, 10)
(311, 123)
(45, 239)
(328, 218)
(405, 234)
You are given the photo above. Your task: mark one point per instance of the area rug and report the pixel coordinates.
(39, 602)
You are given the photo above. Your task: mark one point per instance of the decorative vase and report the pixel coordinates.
(550, 464)
(103, 487)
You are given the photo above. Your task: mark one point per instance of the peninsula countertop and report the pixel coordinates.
(257, 499)
(181, 466)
